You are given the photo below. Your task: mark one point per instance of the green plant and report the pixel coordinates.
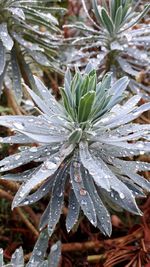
(86, 139)
(22, 41)
(120, 42)
(37, 256)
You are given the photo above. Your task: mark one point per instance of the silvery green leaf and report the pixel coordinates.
(17, 87)
(23, 157)
(44, 217)
(5, 37)
(47, 169)
(138, 179)
(124, 118)
(103, 217)
(16, 139)
(47, 96)
(57, 198)
(68, 78)
(73, 211)
(118, 17)
(55, 254)
(25, 43)
(127, 67)
(94, 167)
(39, 101)
(1, 258)
(17, 258)
(43, 190)
(17, 12)
(40, 58)
(96, 11)
(123, 197)
(81, 193)
(135, 189)
(39, 249)
(19, 177)
(2, 61)
(106, 20)
(138, 18)
(89, 68)
(2, 78)
(118, 88)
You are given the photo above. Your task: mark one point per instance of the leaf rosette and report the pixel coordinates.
(86, 142)
(120, 42)
(22, 41)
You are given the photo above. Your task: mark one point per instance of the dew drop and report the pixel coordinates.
(18, 125)
(54, 247)
(39, 253)
(33, 149)
(83, 192)
(50, 165)
(17, 157)
(122, 196)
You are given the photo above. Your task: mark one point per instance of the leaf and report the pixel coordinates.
(23, 157)
(137, 19)
(1, 81)
(17, 12)
(68, 78)
(42, 191)
(103, 217)
(112, 9)
(82, 195)
(57, 198)
(20, 177)
(96, 11)
(107, 22)
(44, 217)
(126, 67)
(48, 168)
(89, 67)
(18, 258)
(55, 254)
(41, 104)
(39, 250)
(93, 167)
(16, 139)
(73, 211)
(85, 106)
(2, 62)
(40, 58)
(75, 136)
(47, 96)
(1, 258)
(5, 37)
(17, 87)
(118, 17)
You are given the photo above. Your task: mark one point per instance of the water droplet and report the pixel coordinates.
(50, 165)
(33, 149)
(17, 157)
(83, 202)
(122, 196)
(77, 179)
(54, 247)
(18, 125)
(83, 192)
(39, 253)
